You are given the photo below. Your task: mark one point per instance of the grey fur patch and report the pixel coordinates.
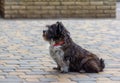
(58, 56)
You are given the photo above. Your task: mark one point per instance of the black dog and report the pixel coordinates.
(68, 55)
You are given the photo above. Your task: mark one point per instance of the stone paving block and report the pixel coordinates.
(79, 79)
(16, 73)
(48, 80)
(82, 76)
(2, 77)
(8, 70)
(37, 82)
(38, 73)
(31, 76)
(3, 73)
(52, 76)
(99, 75)
(107, 81)
(64, 79)
(86, 81)
(11, 77)
(11, 81)
(67, 76)
(116, 74)
(115, 78)
(103, 79)
(24, 68)
(32, 80)
(64, 82)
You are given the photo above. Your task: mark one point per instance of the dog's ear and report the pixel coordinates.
(58, 22)
(63, 29)
(47, 26)
(60, 26)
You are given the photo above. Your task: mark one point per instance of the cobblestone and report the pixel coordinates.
(48, 79)
(24, 56)
(86, 81)
(115, 78)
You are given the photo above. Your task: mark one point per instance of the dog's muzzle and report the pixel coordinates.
(44, 32)
(45, 35)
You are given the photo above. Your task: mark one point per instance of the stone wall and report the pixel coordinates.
(0, 7)
(59, 8)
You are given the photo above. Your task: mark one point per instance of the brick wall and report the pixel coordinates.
(0, 7)
(59, 8)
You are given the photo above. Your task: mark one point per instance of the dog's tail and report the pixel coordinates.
(102, 64)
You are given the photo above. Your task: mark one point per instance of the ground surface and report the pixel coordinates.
(24, 56)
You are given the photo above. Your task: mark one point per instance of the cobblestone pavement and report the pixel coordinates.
(24, 56)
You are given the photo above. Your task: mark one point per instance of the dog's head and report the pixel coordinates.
(55, 32)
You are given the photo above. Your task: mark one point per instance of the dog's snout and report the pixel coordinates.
(44, 31)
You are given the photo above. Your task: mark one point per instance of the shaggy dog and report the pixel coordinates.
(69, 56)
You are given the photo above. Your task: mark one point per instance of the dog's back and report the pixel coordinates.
(81, 59)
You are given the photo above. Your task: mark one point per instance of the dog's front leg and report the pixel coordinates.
(65, 67)
(58, 67)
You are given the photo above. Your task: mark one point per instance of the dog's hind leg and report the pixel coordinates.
(91, 66)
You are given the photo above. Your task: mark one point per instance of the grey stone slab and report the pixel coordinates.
(85, 79)
(11, 81)
(115, 78)
(8, 70)
(48, 80)
(99, 75)
(42, 73)
(36, 82)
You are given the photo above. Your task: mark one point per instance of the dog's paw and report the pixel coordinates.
(56, 68)
(64, 70)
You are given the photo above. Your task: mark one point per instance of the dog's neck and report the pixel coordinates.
(57, 43)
